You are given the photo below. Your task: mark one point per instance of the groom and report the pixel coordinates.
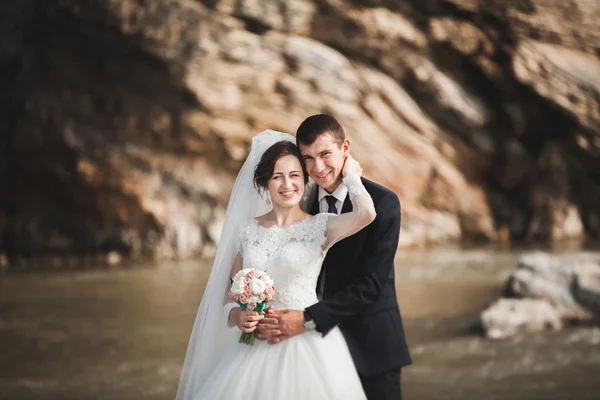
(356, 285)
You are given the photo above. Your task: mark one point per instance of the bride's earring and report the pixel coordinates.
(268, 200)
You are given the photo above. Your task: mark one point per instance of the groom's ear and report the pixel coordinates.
(346, 147)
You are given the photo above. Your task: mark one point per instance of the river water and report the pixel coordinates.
(122, 333)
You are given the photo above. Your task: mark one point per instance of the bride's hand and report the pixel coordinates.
(246, 320)
(351, 166)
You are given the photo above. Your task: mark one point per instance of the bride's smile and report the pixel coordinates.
(288, 194)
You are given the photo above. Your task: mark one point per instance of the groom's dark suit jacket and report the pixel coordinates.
(359, 293)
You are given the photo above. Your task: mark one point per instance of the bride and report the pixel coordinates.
(291, 245)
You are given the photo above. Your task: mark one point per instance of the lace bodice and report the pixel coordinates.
(292, 256)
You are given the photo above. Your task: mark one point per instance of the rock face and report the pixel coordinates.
(546, 292)
(127, 120)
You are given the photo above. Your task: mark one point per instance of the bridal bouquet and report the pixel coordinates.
(252, 290)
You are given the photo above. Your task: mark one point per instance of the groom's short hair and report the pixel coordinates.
(316, 125)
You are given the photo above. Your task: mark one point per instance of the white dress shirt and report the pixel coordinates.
(340, 194)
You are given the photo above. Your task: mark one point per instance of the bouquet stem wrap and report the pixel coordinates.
(246, 337)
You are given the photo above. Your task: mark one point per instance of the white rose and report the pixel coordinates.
(237, 287)
(267, 280)
(254, 299)
(238, 275)
(257, 286)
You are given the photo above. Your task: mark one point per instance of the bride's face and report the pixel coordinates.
(286, 186)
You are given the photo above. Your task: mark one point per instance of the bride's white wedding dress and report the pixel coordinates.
(306, 366)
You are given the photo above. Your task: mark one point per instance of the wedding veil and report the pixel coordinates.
(211, 335)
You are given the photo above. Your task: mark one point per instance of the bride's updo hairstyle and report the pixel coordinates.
(266, 166)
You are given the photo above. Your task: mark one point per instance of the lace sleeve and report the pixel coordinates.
(363, 213)
(238, 240)
(237, 266)
(229, 304)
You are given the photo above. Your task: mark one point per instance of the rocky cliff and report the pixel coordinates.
(125, 121)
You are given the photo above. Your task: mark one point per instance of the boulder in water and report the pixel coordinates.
(546, 292)
(507, 317)
(586, 290)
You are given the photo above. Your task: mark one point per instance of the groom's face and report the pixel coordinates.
(325, 160)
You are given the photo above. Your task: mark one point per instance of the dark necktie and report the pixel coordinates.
(331, 201)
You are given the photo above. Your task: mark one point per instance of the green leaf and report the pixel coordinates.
(261, 307)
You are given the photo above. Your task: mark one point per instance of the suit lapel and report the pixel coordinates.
(347, 206)
(314, 208)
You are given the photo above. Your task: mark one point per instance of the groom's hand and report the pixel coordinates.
(291, 323)
(268, 327)
(279, 325)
